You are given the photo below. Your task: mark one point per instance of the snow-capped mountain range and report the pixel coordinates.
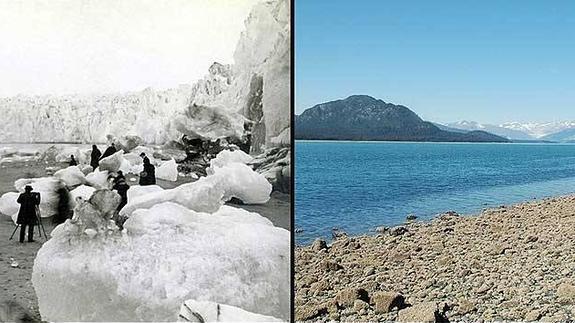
(552, 131)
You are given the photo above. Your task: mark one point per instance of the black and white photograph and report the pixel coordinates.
(145, 160)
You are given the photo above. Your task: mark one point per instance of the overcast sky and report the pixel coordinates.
(94, 46)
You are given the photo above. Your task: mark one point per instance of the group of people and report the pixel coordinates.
(147, 176)
(29, 200)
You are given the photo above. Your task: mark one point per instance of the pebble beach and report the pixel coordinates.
(508, 263)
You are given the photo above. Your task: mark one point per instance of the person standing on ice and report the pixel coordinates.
(109, 151)
(122, 188)
(148, 176)
(27, 213)
(95, 157)
(73, 161)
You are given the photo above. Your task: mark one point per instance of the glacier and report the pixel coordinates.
(254, 90)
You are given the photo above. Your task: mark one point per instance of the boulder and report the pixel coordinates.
(348, 296)
(397, 231)
(423, 312)
(319, 244)
(566, 293)
(385, 301)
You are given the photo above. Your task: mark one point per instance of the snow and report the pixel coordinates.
(168, 254)
(191, 310)
(540, 129)
(112, 163)
(47, 187)
(8, 203)
(83, 191)
(71, 176)
(137, 190)
(168, 171)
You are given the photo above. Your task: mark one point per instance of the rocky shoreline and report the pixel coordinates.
(508, 263)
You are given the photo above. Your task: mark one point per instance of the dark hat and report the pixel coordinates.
(28, 188)
(142, 154)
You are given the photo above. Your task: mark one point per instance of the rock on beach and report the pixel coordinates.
(507, 263)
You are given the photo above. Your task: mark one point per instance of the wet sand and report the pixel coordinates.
(16, 282)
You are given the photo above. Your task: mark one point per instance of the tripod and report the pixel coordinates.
(39, 224)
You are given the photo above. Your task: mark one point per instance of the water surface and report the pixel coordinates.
(357, 186)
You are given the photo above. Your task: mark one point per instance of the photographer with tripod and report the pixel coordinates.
(27, 215)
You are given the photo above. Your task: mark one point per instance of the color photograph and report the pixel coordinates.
(434, 161)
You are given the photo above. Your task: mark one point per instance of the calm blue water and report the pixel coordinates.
(357, 186)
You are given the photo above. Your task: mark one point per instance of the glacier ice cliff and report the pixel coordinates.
(254, 90)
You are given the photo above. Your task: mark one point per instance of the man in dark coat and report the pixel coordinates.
(109, 151)
(95, 157)
(27, 214)
(73, 161)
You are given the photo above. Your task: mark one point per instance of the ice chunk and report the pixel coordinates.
(8, 203)
(137, 190)
(205, 311)
(86, 169)
(71, 176)
(240, 181)
(48, 188)
(203, 195)
(125, 166)
(112, 163)
(133, 158)
(98, 179)
(208, 193)
(7, 151)
(168, 254)
(168, 171)
(82, 191)
(226, 157)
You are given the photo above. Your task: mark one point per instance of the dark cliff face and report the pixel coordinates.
(361, 117)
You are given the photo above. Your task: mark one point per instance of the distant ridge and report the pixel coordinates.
(362, 117)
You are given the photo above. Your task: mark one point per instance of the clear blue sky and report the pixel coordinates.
(487, 61)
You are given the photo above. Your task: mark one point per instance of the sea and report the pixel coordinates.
(358, 186)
